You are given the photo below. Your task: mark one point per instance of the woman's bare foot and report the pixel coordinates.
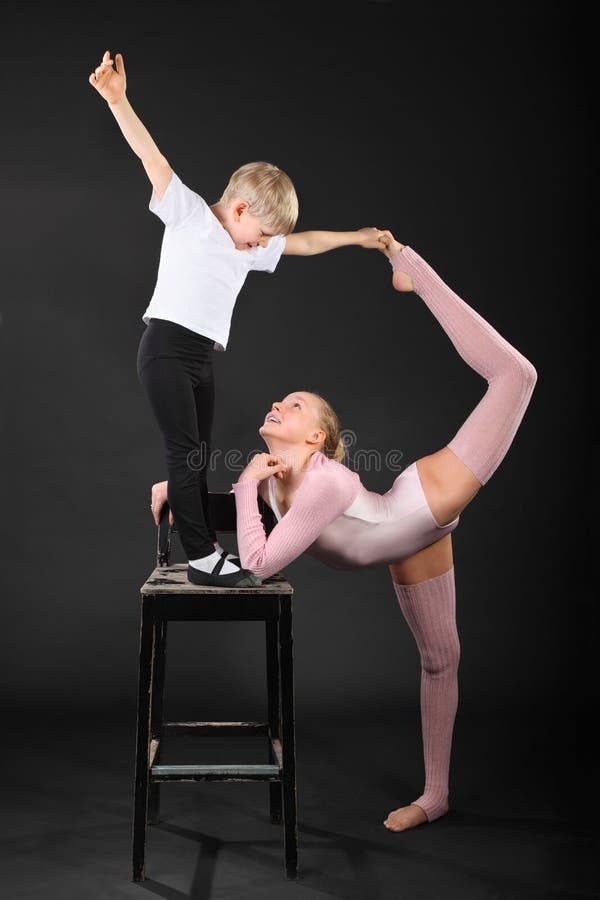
(406, 817)
(401, 280)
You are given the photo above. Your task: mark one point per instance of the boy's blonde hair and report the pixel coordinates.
(270, 193)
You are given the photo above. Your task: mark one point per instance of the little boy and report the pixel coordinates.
(206, 254)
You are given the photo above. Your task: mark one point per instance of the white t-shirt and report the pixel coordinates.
(201, 272)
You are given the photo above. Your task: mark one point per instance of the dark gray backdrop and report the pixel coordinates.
(465, 131)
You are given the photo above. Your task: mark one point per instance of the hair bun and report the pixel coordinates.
(340, 451)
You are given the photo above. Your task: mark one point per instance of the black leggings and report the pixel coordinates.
(175, 367)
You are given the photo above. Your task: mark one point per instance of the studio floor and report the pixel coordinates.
(513, 832)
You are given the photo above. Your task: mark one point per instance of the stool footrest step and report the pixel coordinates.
(215, 773)
(276, 751)
(216, 728)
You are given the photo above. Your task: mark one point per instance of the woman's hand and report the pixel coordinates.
(262, 466)
(369, 238)
(158, 498)
(109, 83)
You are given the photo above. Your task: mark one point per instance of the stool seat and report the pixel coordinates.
(167, 596)
(164, 580)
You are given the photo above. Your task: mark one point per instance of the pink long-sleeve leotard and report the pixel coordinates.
(335, 518)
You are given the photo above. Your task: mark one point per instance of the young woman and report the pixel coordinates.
(323, 509)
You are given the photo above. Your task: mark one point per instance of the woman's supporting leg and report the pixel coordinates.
(424, 586)
(485, 437)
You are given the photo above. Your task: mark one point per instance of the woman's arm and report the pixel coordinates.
(321, 498)
(307, 243)
(111, 85)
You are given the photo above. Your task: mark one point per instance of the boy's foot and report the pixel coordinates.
(406, 817)
(216, 571)
(230, 557)
(239, 578)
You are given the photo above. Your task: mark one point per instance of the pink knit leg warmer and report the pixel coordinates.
(429, 608)
(484, 438)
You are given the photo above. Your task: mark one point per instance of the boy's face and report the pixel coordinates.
(245, 229)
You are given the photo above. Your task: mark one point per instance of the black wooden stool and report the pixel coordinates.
(167, 596)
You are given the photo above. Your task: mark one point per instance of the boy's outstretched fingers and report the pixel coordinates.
(99, 72)
(389, 245)
(110, 82)
(369, 237)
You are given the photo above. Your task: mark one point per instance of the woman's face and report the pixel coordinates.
(294, 420)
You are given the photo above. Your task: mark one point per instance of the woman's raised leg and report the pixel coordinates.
(424, 586)
(452, 477)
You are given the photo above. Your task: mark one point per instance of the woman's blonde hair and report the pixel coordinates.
(269, 192)
(329, 421)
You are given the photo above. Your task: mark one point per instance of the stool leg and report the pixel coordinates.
(158, 692)
(140, 805)
(273, 691)
(286, 658)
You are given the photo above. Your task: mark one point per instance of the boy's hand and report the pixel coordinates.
(369, 238)
(109, 83)
(388, 244)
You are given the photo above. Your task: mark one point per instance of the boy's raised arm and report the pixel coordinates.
(111, 85)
